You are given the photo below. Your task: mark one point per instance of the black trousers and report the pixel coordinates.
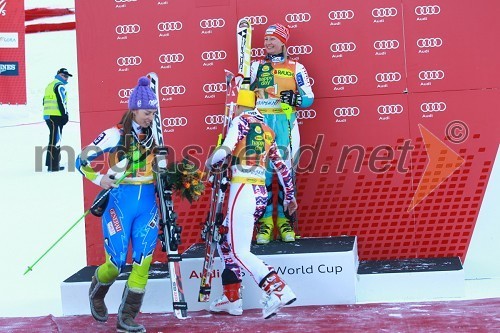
(53, 157)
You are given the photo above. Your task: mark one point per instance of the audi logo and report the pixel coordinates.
(129, 61)
(214, 55)
(258, 52)
(311, 81)
(127, 29)
(175, 122)
(297, 17)
(212, 23)
(257, 20)
(306, 114)
(390, 109)
(427, 10)
(431, 75)
(125, 0)
(215, 119)
(170, 26)
(350, 111)
(173, 90)
(299, 49)
(433, 107)
(384, 12)
(341, 15)
(214, 87)
(170, 58)
(124, 93)
(429, 42)
(389, 44)
(388, 77)
(343, 47)
(344, 79)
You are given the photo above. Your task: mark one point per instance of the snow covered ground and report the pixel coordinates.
(38, 207)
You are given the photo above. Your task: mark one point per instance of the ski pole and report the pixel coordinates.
(287, 109)
(95, 204)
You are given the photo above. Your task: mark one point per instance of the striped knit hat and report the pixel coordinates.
(279, 31)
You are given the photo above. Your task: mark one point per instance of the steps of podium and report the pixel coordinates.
(321, 271)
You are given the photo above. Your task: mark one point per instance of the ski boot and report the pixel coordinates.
(286, 231)
(266, 229)
(230, 301)
(278, 294)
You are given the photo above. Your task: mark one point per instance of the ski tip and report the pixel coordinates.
(244, 23)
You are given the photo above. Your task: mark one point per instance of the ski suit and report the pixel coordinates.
(269, 77)
(131, 214)
(251, 143)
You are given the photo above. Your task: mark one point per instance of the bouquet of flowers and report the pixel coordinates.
(186, 180)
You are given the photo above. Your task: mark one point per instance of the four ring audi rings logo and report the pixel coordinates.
(299, 49)
(214, 87)
(384, 12)
(212, 23)
(427, 10)
(429, 42)
(306, 114)
(433, 107)
(124, 93)
(350, 111)
(341, 15)
(431, 75)
(214, 119)
(127, 29)
(388, 44)
(169, 26)
(343, 47)
(390, 109)
(129, 61)
(170, 58)
(257, 20)
(175, 122)
(213, 55)
(173, 90)
(344, 79)
(258, 52)
(125, 0)
(388, 77)
(297, 17)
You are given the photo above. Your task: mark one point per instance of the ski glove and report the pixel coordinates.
(290, 98)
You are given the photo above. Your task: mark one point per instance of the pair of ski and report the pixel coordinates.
(213, 232)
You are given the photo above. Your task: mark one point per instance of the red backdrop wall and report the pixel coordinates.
(12, 53)
(399, 85)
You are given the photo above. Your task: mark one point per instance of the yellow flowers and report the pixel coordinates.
(186, 180)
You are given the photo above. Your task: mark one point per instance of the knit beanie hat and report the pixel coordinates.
(279, 31)
(142, 97)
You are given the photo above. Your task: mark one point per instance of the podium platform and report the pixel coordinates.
(321, 271)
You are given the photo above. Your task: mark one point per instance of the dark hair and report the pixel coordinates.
(126, 125)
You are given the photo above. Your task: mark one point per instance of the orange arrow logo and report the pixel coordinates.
(443, 161)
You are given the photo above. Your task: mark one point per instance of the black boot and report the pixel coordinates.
(131, 304)
(97, 291)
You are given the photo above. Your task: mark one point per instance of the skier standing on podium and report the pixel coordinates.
(276, 80)
(251, 143)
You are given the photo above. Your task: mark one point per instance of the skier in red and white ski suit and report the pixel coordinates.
(251, 143)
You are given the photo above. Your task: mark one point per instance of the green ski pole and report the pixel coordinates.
(95, 204)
